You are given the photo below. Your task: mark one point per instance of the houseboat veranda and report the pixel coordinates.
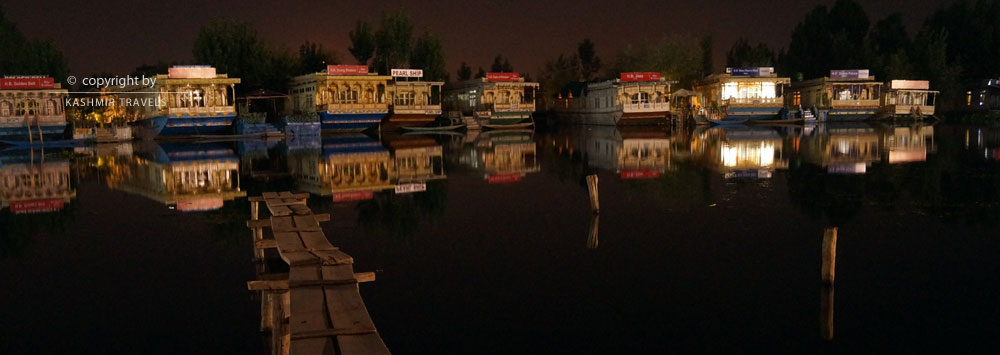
(414, 103)
(499, 100)
(908, 99)
(739, 95)
(190, 100)
(346, 98)
(635, 98)
(845, 95)
(31, 108)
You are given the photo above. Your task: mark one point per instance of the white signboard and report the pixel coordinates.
(408, 73)
(191, 72)
(414, 187)
(910, 84)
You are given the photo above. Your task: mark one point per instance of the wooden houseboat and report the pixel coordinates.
(31, 108)
(908, 99)
(347, 98)
(635, 98)
(499, 100)
(845, 95)
(739, 95)
(414, 103)
(190, 100)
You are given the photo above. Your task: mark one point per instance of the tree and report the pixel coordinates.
(558, 74)
(590, 63)
(392, 41)
(481, 73)
(234, 48)
(362, 42)
(826, 40)
(674, 57)
(501, 65)
(891, 44)
(428, 54)
(29, 57)
(742, 54)
(464, 72)
(706, 56)
(313, 58)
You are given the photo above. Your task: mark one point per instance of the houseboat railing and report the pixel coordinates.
(369, 106)
(647, 106)
(417, 107)
(508, 107)
(201, 110)
(754, 101)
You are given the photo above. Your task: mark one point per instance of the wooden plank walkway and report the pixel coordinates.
(319, 299)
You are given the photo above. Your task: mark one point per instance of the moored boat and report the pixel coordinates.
(634, 98)
(32, 109)
(499, 100)
(739, 95)
(908, 99)
(414, 103)
(190, 100)
(845, 95)
(346, 98)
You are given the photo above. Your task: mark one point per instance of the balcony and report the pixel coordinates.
(201, 111)
(508, 107)
(754, 101)
(646, 107)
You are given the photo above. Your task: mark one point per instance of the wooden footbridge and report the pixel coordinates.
(315, 308)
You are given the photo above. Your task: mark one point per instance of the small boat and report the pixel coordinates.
(453, 125)
(776, 121)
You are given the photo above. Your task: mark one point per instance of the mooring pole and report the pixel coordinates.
(592, 187)
(829, 255)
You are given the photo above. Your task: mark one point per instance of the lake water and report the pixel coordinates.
(707, 240)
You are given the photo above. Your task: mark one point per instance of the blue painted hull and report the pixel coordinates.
(339, 145)
(190, 126)
(350, 122)
(49, 133)
(148, 128)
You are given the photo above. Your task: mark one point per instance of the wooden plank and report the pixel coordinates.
(279, 210)
(364, 276)
(345, 307)
(282, 224)
(266, 223)
(362, 344)
(333, 257)
(310, 346)
(300, 209)
(315, 240)
(265, 244)
(269, 195)
(284, 284)
(255, 198)
(332, 332)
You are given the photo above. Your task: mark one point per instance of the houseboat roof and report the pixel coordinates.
(417, 82)
(824, 80)
(29, 83)
(718, 78)
(307, 78)
(484, 82)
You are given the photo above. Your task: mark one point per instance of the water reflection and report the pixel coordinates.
(502, 156)
(185, 176)
(740, 151)
(34, 182)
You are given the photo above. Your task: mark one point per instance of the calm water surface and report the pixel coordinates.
(708, 240)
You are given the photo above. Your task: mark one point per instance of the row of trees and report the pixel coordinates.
(393, 46)
(21, 56)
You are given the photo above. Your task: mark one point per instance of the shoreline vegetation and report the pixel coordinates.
(956, 45)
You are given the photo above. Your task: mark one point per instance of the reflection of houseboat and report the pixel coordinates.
(740, 95)
(635, 98)
(414, 103)
(417, 159)
(632, 152)
(844, 95)
(346, 97)
(908, 144)
(348, 167)
(189, 100)
(30, 186)
(502, 156)
(500, 100)
(981, 96)
(30, 106)
(741, 151)
(842, 148)
(193, 177)
(908, 98)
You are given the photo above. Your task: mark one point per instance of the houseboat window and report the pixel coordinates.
(348, 97)
(640, 98)
(5, 108)
(797, 98)
(405, 98)
(968, 98)
(50, 107)
(26, 107)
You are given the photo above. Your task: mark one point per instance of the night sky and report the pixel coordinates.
(116, 36)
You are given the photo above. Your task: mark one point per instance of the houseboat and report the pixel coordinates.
(499, 100)
(413, 103)
(635, 98)
(845, 95)
(739, 95)
(31, 108)
(908, 99)
(347, 98)
(190, 100)
(981, 96)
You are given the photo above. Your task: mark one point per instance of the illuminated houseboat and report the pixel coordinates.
(414, 103)
(347, 167)
(346, 97)
(843, 96)
(981, 96)
(500, 100)
(635, 98)
(29, 186)
(739, 95)
(31, 106)
(908, 98)
(185, 176)
(190, 100)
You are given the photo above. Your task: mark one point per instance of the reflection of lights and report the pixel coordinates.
(761, 154)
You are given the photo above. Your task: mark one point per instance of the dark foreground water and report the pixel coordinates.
(707, 240)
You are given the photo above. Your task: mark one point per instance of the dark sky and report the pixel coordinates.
(118, 35)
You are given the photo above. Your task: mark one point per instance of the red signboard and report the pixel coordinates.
(352, 196)
(504, 178)
(640, 174)
(640, 76)
(502, 77)
(26, 83)
(36, 206)
(347, 70)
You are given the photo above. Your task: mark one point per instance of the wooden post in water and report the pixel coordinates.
(826, 312)
(592, 236)
(592, 187)
(829, 255)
